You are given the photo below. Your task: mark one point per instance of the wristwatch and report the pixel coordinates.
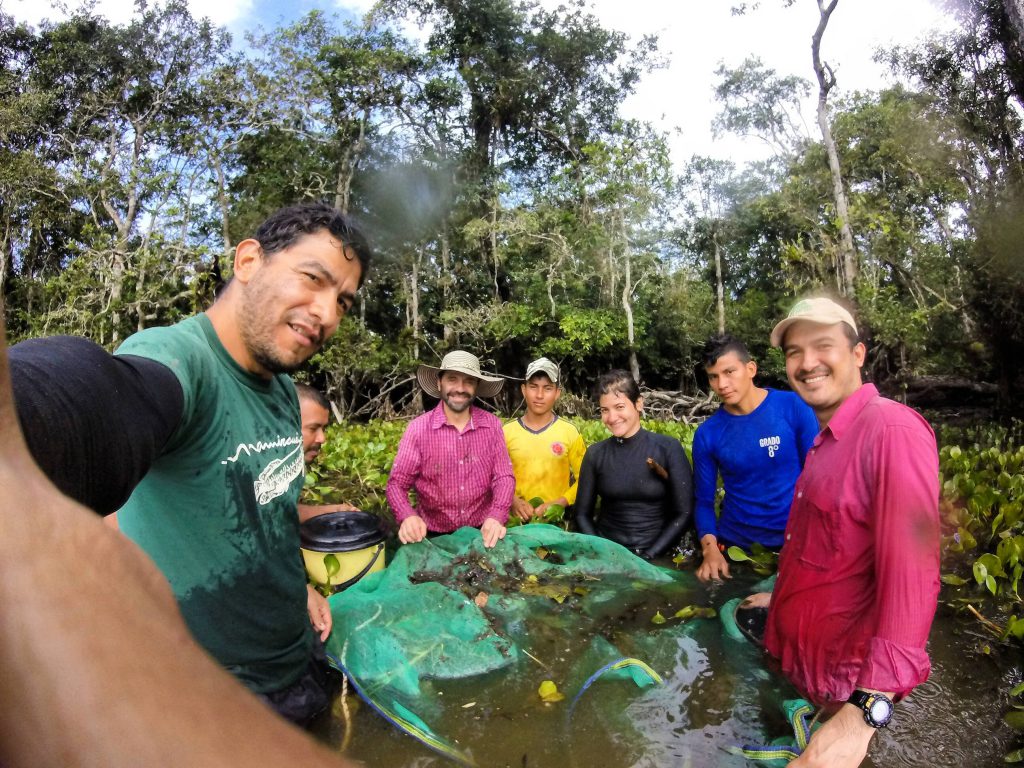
(877, 707)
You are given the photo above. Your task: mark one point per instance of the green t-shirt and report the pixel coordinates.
(217, 510)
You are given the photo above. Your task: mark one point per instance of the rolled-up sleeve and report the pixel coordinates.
(906, 541)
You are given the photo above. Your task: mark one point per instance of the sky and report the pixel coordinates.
(695, 37)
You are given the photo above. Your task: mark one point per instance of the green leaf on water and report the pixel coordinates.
(554, 513)
(556, 592)
(736, 554)
(1014, 757)
(1017, 690)
(657, 618)
(549, 692)
(695, 611)
(1015, 719)
(953, 579)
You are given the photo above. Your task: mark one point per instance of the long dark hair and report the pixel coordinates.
(617, 381)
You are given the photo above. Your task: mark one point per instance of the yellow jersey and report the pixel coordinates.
(546, 463)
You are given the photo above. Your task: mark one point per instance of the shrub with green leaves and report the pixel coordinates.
(982, 475)
(355, 462)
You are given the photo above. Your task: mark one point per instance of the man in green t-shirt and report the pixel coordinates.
(199, 422)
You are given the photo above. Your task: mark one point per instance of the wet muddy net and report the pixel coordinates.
(454, 641)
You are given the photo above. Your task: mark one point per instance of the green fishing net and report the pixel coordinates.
(577, 613)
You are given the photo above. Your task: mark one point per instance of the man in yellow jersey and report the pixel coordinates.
(546, 451)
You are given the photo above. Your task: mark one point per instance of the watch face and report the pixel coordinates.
(880, 711)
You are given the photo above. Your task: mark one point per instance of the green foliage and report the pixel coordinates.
(354, 464)
(764, 562)
(583, 332)
(513, 209)
(595, 431)
(982, 477)
(553, 515)
(1015, 719)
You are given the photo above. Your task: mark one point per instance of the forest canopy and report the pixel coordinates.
(514, 209)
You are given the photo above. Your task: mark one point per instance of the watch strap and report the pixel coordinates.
(866, 702)
(859, 697)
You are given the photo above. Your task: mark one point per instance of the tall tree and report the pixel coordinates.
(708, 181)
(826, 82)
(974, 74)
(122, 102)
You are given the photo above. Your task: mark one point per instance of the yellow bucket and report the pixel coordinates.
(341, 547)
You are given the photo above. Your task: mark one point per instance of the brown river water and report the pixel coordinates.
(718, 693)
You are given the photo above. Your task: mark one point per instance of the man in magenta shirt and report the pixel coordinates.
(454, 457)
(859, 571)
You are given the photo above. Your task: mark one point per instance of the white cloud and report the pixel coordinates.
(121, 11)
(358, 7)
(695, 35)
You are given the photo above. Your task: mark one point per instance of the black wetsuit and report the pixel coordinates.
(639, 509)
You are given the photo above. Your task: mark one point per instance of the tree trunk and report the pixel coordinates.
(417, 321)
(347, 167)
(627, 303)
(494, 246)
(446, 279)
(1012, 40)
(826, 80)
(719, 284)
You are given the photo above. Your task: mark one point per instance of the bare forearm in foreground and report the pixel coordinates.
(97, 665)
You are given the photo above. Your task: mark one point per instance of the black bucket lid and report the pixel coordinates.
(341, 532)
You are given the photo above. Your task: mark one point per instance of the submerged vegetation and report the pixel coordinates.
(982, 507)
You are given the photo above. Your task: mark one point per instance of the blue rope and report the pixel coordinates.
(421, 733)
(611, 667)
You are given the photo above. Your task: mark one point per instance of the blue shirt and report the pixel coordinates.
(759, 455)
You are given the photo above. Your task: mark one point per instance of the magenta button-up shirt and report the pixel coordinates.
(460, 478)
(859, 572)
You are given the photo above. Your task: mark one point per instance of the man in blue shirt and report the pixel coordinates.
(756, 441)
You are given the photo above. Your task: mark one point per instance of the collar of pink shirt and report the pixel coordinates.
(849, 410)
(439, 419)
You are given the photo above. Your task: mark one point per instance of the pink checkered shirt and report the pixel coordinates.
(459, 478)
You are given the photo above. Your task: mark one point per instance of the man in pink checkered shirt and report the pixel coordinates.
(454, 457)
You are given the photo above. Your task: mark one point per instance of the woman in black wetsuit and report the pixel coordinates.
(643, 479)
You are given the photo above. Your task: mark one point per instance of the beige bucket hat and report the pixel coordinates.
(463, 362)
(820, 309)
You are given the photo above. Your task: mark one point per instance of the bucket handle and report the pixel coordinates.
(349, 582)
